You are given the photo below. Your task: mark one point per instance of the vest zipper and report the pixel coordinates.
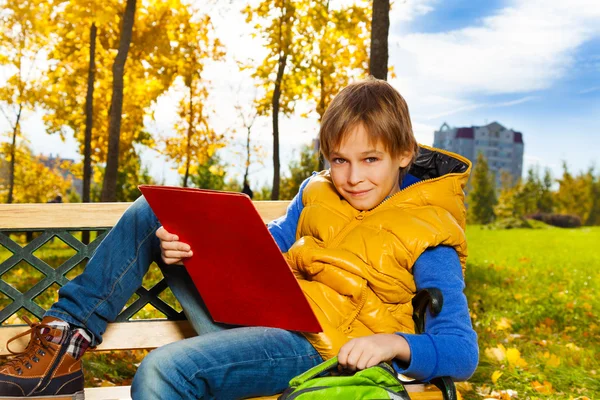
(409, 187)
(355, 221)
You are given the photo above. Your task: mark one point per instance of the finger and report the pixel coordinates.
(343, 353)
(373, 362)
(353, 358)
(165, 235)
(178, 246)
(366, 361)
(177, 254)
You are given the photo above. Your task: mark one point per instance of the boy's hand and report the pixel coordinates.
(172, 251)
(367, 351)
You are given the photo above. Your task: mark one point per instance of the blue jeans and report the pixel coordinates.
(222, 362)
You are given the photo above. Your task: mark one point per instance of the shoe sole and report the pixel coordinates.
(74, 396)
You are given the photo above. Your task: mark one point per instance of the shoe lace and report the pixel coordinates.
(38, 345)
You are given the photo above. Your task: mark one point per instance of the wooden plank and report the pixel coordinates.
(91, 215)
(123, 393)
(108, 393)
(118, 336)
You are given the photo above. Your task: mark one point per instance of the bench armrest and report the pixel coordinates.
(432, 299)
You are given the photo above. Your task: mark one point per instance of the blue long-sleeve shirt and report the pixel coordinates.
(448, 347)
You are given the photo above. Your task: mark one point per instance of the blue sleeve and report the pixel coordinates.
(283, 229)
(448, 347)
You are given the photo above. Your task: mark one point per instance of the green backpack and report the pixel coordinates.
(378, 382)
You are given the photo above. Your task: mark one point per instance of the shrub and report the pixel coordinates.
(560, 220)
(509, 223)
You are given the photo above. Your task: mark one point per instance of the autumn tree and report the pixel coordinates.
(109, 187)
(276, 23)
(482, 194)
(506, 206)
(195, 141)
(300, 169)
(29, 188)
(336, 44)
(546, 198)
(151, 67)
(210, 174)
(577, 195)
(23, 37)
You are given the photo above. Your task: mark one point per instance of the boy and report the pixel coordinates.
(361, 238)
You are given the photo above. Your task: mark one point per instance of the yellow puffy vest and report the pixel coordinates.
(355, 267)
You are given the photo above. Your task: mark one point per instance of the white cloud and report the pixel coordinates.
(474, 106)
(407, 10)
(522, 48)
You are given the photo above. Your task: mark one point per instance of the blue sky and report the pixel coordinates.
(531, 65)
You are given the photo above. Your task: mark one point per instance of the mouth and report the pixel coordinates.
(358, 193)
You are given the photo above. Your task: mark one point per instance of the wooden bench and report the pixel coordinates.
(57, 220)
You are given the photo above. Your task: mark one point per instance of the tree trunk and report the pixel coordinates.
(89, 115)
(13, 153)
(276, 96)
(89, 121)
(189, 134)
(109, 186)
(380, 26)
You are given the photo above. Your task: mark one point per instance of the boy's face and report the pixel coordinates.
(365, 173)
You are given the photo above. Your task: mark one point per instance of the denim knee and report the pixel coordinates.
(151, 378)
(163, 374)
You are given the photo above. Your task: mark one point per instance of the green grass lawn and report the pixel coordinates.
(532, 299)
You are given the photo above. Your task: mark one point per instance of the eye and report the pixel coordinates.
(371, 159)
(338, 161)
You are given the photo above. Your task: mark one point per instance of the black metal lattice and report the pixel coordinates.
(57, 275)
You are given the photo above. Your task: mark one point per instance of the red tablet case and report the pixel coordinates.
(237, 266)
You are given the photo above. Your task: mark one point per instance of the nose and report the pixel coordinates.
(355, 176)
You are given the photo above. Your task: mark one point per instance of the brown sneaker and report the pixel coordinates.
(44, 370)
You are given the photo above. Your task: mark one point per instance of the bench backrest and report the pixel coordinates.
(56, 221)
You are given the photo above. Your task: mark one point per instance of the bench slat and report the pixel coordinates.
(123, 393)
(118, 336)
(91, 215)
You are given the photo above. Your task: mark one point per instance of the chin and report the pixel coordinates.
(364, 205)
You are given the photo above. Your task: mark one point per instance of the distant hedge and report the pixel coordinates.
(559, 220)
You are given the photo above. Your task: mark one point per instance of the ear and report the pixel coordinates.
(405, 158)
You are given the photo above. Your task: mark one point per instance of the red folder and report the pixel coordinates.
(237, 267)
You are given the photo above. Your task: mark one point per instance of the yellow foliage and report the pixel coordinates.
(29, 188)
(153, 62)
(495, 376)
(504, 324)
(496, 353)
(545, 388)
(513, 356)
(553, 360)
(573, 347)
(195, 141)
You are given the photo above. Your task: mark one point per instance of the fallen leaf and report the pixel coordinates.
(496, 353)
(504, 324)
(513, 356)
(553, 361)
(546, 387)
(495, 376)
(572, 346)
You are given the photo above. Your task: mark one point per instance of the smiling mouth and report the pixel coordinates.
(359, 193)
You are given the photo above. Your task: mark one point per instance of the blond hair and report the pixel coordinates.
(380, 109)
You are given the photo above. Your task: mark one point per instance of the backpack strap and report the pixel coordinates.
(315, 371)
